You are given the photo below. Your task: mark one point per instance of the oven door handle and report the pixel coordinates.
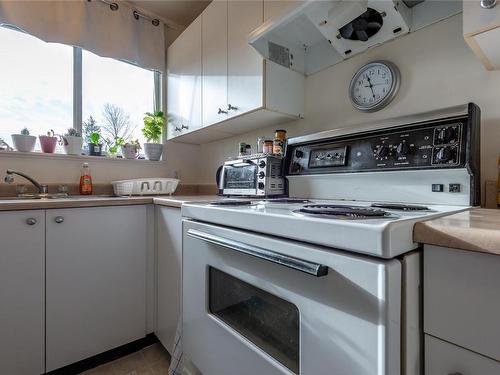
(297, 264)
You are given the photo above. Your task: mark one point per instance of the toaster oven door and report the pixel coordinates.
(239, 179)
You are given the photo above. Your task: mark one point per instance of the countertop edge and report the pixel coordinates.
(169, 201)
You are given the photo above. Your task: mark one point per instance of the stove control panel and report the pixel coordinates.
(439, 144)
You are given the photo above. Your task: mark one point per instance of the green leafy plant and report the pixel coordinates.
(114, 145)
(25, 131)
(153, 126)
(95, 138)
(72, 132)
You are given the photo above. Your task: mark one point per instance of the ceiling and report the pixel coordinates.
(180, 12)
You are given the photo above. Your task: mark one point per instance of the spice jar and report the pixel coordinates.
(268, 146)
(280, 134)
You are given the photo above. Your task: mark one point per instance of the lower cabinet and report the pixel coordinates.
(96, 281)
(443, 358)
(22, 293)
(169, 266)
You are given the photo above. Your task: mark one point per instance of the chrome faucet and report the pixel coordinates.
(42, 189)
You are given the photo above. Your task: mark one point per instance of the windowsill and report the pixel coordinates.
(41, 155)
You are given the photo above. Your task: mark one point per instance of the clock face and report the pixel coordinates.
(374, 86)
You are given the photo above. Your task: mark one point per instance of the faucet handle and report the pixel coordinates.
(9, 179)
(44, 189)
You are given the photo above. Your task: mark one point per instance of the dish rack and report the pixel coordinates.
(145, 186)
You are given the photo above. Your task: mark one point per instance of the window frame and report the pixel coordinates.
(158, 94)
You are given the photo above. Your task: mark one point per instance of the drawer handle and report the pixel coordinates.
(231, 107)
(58, 219)
(221, 111)
(31, 221)
(184, 127)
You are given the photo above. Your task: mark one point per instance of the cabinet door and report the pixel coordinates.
(214, 57)
(169, 263)
(22, 292)
(184, 81)
(96, 281)
(245, 64)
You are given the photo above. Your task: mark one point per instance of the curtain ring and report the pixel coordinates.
(113, 6)
(136, 15)
(155, 22)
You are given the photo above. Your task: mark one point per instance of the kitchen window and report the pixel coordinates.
(36, 84)
(51, 86)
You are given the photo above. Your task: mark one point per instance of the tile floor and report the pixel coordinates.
(152, 360)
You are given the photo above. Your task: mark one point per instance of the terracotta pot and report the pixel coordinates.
(48, 144)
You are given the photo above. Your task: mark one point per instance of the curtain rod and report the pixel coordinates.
(114, 7)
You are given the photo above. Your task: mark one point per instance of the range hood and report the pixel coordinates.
(319, 33)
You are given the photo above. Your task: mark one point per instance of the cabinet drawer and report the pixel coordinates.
(462, 298)
(442, 358)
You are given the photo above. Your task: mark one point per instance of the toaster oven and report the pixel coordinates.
(258, 175)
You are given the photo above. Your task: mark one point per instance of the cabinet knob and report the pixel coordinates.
(184, 127)
(231, 107)
(58, 219)
(488, 4)
(177, 129)
(221, 111)
(31, 221)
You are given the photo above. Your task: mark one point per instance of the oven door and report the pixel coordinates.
(255, 304)
(239, 178)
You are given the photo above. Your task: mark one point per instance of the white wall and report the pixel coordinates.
(438, 70)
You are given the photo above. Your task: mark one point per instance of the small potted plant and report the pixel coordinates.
(24, 142)
(72, 142)
(48, 142)
(153, 128)
(130, 150)
(114, 146)
(95, 145)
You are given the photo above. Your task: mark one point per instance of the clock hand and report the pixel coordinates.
(371, 86)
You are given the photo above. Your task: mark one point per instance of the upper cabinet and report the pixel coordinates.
(184, 80)
(239, 90)
(244, 64)
(214, 57)
(482, 31)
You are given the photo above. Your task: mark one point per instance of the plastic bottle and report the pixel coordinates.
(85, 180)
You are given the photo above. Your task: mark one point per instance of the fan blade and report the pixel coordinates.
(374, 25)
(347, 31)
(362, 35)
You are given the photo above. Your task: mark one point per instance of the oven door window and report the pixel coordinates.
(240, 177)
(268, 321)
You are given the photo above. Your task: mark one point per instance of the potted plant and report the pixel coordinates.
(48, 142)
(95, 145)
(130, 150)
(24, 142)
(153, 128)
(72, 142)
(114, 146)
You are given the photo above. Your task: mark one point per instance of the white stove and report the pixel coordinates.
(329, 281)
(386, 235)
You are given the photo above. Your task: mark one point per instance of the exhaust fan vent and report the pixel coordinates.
(279, 54)
(363, 27)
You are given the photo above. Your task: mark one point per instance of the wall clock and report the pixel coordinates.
(374, 86)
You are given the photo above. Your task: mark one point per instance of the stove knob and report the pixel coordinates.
(403, 149)
(262, 175)
(299, 154)
(381, 151)
(262, 164)
(296, 167)
(261, 186)
(446, 135)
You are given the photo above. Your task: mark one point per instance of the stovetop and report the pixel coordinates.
(383, 229)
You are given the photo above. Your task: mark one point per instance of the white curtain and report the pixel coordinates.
(92, 26)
